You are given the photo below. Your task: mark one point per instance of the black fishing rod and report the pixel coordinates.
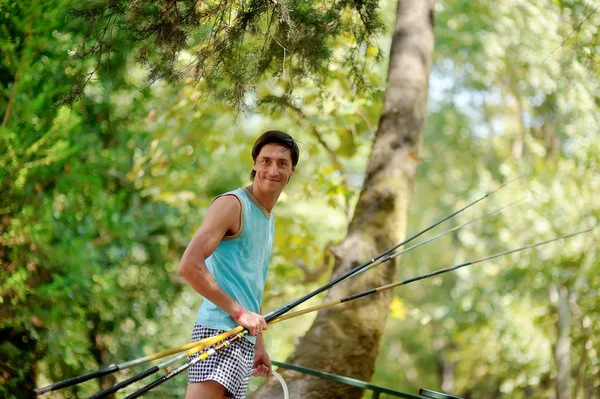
(286, 308)
(275, 313)
(164, 365)
(421, 277)
(372, 291)
(383, 260)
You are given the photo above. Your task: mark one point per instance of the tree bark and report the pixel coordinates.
(345, 340)
(99, 350)
(19, 353)
(445, 367)
(559, 297)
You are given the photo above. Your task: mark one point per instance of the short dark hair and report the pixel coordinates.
(275, 137)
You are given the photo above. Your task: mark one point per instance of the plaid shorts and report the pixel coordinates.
(229, 367)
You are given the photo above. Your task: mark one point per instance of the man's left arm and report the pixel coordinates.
(262, 362)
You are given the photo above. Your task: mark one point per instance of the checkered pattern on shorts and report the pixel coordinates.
(230, 366)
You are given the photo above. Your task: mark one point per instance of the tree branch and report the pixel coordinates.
(284, 101)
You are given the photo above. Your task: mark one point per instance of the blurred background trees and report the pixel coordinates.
(99, 199)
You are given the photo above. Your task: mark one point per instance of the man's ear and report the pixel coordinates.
(291, 174)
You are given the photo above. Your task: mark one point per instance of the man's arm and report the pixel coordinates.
(222, 216)
(262, 362)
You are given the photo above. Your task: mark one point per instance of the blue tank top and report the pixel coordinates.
(240, 263)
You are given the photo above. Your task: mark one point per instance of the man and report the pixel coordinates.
(226, 262)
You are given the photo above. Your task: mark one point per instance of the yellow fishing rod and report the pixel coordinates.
(192, 349)
(277, 312)
(148, 372)
(283, 309)
(227, 342)
(122, 366)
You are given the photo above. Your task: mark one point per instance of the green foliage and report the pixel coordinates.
(99, 200)
(84, 258)
(228, 47)
(512, 92)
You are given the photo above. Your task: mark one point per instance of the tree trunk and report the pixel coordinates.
(100, 351)
(562, 351)
(445, 367)
(19, 353)
(345, 340)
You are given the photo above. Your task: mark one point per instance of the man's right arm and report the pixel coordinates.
(222, 216)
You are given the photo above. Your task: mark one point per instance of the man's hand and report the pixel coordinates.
(253, 322)
(262, 362)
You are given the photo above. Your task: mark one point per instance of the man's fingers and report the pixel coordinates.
(256, 324)
(262, 370)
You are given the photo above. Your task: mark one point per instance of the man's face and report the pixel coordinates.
(273, 168)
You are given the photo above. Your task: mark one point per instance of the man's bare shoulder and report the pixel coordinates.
(225, 208)
(227, 202)
(224, 213)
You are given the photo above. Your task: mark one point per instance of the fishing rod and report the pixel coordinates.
(435, 238)
(270, 316)
(203, 356)
(189, 352)
(421, 277)
(154, 369)
(286, 308)
(372, 291)
(277, 312)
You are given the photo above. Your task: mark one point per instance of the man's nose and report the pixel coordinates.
(273, 170)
